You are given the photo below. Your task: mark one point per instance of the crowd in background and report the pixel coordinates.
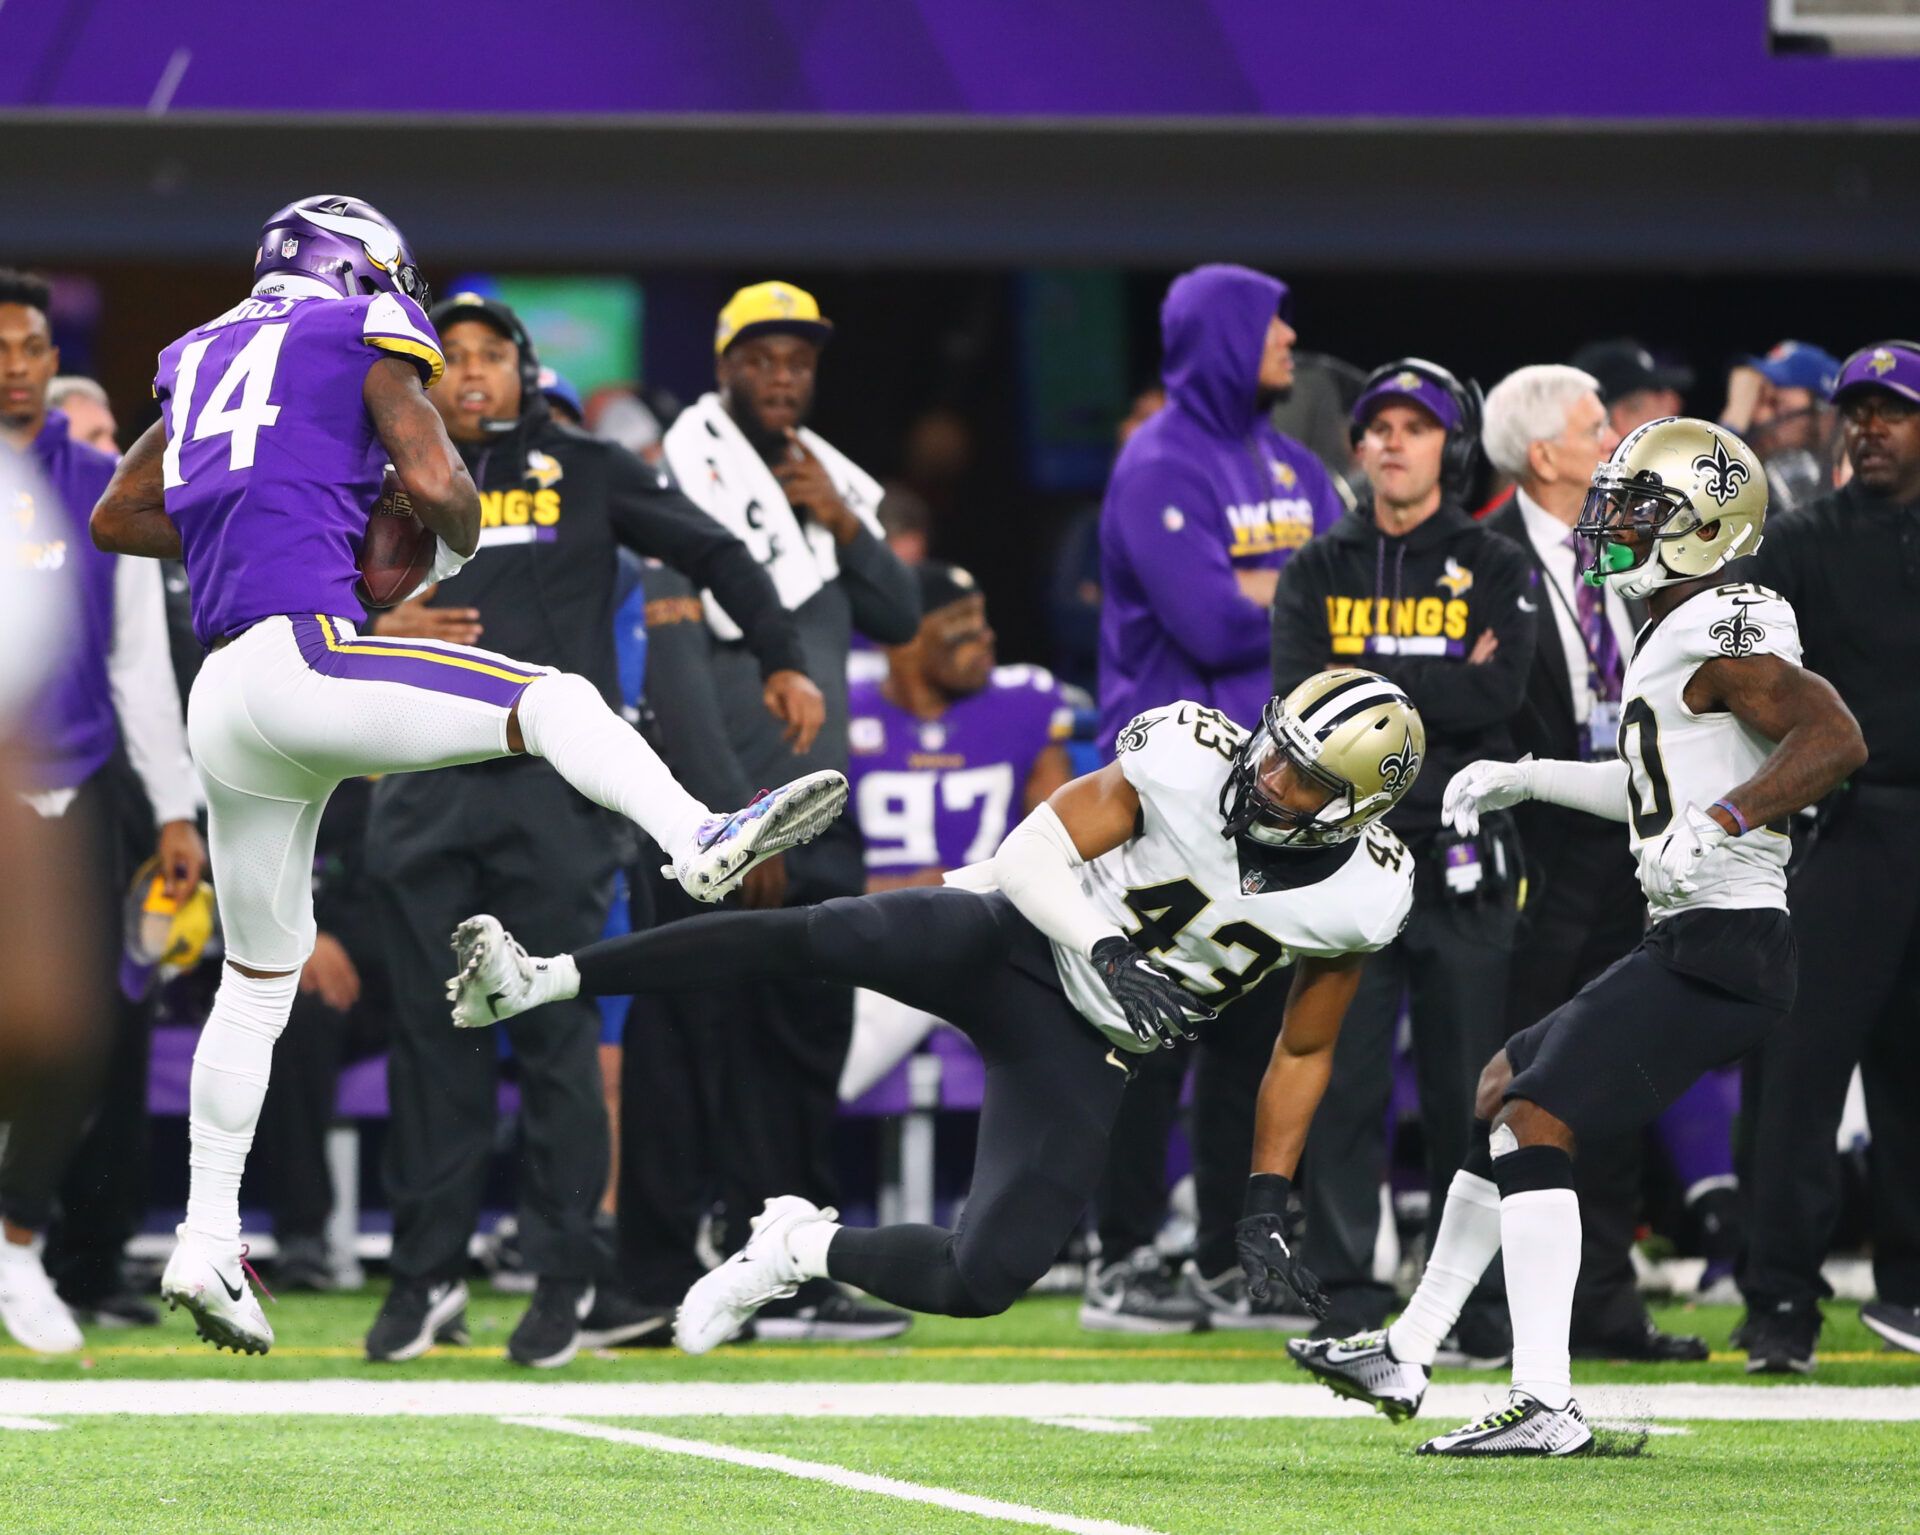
(1271, 510)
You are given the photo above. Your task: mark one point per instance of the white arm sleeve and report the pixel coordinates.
(145, 695)
(1034, 870)
(1599, 788)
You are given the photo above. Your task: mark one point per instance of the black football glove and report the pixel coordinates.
(1265, 1237)
(1154, 1004)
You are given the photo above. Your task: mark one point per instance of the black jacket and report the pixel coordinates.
(554, 504)
(1850, 565)
(1430, 594)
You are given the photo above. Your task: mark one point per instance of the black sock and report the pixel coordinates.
(1531, 1169)
(696, 953)
(1479, 1160)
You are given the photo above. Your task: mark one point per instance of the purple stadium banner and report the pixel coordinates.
(1437, 60)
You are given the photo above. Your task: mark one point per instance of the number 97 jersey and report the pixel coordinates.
(272, 462)
(1223, 913)
(1677, 758)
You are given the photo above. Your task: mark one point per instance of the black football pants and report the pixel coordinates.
(1053, 1083)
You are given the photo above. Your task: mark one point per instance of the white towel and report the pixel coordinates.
(721, 474)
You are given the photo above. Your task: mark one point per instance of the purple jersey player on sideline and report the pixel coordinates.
(278, 421)
(949, 750)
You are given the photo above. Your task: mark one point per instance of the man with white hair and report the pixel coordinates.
(89, 412)
(1547, 430)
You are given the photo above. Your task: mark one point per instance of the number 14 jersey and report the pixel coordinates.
(1222, 913)
(1677, 758)
(272, 462)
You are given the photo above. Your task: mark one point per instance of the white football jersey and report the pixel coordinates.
(1222, 913)
(1677, 758)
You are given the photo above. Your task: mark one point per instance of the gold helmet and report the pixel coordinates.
(1693, 493)
(1351, 732)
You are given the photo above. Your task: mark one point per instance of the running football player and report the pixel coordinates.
(278, 419)
(1129, 908)
(1723, 735)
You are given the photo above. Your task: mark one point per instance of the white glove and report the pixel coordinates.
(1483, 786)
(1668, 864)
(445, 563)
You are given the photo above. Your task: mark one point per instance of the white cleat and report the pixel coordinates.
(1525, 1426)
(212, 1285)
(33, 1315)
(724, 1299)
(1363, 1367)
(727, 846)
(498, 979)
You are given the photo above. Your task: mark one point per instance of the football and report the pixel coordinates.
(397, 552)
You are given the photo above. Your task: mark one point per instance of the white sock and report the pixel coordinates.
(807, 1246)
(564, 719)
(1468, 1237)
(1540, 1232)
(230, 1068)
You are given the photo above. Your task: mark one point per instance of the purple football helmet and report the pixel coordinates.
(346, 243)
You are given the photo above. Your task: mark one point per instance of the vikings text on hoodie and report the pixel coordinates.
(1411, 608)
(1205, 488)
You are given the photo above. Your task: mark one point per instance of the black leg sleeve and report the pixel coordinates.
(1133, 1186)
(1231, 1059)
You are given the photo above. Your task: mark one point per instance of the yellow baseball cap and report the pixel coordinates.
(777, 307)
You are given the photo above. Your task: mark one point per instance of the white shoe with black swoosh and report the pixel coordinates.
(1364, 1367)
(211, 1282)
(1525, 1426)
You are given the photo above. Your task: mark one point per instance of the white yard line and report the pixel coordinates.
(835, 1476)
(30, 1425)
(1097, 1425)
(1141, 1400)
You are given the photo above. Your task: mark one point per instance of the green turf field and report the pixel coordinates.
(197, 1442)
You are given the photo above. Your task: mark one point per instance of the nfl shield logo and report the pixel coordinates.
(1252, 882)
(289, 245)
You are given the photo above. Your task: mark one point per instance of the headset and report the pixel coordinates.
(1460, 457)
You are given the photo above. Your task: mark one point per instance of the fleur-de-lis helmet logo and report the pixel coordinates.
(1397, 768)
(1725, 473)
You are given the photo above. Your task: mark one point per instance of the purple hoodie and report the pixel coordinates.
(1205, 488)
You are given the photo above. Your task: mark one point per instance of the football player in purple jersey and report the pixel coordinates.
(279, 419)
(944, 744)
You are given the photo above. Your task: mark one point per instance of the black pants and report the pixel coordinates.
(289, 1162)
(1452, 960)
(784, 1043)
(1856, 914)
(510, 838)
(672, 1078)
(1585, 910)
(1228, 1063)
(1053, 1083)
(46, 1164)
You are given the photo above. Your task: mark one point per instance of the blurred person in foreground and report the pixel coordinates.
(947, 751)
(745, 455)
(1850, 565)
(1547, 431)
(1206, 504)
(1634, 387)
(107, 728)
(1409, 585)
(1781, 404)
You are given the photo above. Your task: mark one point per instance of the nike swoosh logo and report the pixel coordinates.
(232, 1294)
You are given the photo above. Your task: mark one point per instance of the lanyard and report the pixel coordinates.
(1572, 612)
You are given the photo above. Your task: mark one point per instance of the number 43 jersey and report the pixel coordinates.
(272, 463)
(1220, 913)
(1677, 758)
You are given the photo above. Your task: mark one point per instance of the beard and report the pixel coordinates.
(770, 443)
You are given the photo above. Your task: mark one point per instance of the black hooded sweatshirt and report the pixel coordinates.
(1411, 608)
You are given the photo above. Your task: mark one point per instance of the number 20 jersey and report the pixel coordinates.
(1217, 913)
(1677, 758)
(272, 461)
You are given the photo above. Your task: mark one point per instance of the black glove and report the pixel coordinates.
(1264, 1238)
(1154, 1003)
